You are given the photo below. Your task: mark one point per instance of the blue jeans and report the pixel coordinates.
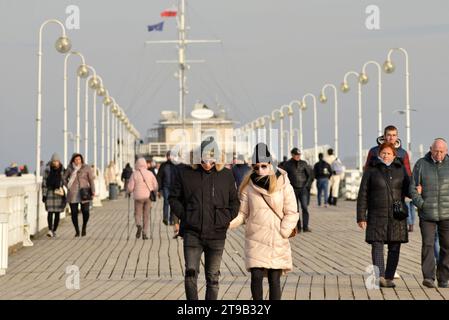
(411, 214)
(302, 199)
(166, 210)
(213, 252)
(437, 247)
(322, 185)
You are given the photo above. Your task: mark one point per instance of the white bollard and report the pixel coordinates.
(4, 219)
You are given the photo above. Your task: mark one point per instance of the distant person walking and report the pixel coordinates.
(79, 180)
(53, 194)
(323, 172)
(300, 176)
(141, 184)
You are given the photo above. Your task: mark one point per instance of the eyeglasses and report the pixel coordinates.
(262, 166)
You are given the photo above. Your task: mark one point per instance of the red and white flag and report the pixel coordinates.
(169, 13)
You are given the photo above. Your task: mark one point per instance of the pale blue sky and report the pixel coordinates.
(272, 52)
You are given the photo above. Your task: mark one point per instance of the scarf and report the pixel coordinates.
(54, 178)
(73, 175)
(261, 181)
(385, 163)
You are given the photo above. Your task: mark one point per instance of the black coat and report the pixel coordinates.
(299, 173)
(204, 202)
(375, 204)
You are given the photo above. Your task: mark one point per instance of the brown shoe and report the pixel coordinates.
(410, 228)
(144, 236)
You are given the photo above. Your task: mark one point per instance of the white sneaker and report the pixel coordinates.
(50, 234)
(397, 276)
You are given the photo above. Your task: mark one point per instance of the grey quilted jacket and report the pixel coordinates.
(433, 203)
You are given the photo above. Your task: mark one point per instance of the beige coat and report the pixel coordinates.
(266, 236)
(84, 179)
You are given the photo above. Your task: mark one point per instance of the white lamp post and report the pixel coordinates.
(281, 128)
(301, 108)
(363, 78)
(315, 122)
(345, 88)
(323, 99)
(62, 45)
(290, 117)
(82, 72)
(389, 68)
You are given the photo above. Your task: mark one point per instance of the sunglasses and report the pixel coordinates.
(209, 161)
(263, 166)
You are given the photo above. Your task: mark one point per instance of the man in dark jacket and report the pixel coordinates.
(301, 178)
(323, 172)
(430, 192)
(204, 197)
(126, 175)
(239, 170)
(164, 180)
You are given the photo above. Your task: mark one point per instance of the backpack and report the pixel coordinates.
(338, 167)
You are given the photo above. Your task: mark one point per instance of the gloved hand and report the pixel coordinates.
(44, 199)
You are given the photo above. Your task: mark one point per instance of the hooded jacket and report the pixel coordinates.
(400, 153)
(266, 235)
(142, 181)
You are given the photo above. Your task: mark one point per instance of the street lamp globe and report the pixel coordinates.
(323, 98)
(107, 101)
(63, 44)
(83, 71)
(363, 78)
(344, 87)
(94, 83)
(101, 91)
(388, 66)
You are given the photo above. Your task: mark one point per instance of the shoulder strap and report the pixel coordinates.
(270, 206)
(144, 180)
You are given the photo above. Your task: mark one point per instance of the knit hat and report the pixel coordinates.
(209, 148)
(261, 154)
(55, 157)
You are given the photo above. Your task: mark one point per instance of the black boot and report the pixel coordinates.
(83, 232)
(139, 232)
(335, 201)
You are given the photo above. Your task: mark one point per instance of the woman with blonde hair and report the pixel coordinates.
(268, 209)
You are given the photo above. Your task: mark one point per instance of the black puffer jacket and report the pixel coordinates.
(204, 202)
(374, 203)
(299, 173)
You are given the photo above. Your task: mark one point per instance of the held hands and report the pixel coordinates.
(362, 225)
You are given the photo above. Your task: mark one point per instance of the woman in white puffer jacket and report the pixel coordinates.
(269, 210)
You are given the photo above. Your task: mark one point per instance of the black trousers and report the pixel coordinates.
(377, 254)
(74, 211)
(53, 224)
(428, 229)
(274, 281)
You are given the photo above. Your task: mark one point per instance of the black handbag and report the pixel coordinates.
(86, 194)
(152, 193)
(400, 210)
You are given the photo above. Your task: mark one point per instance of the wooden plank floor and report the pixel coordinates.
(329, 263)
